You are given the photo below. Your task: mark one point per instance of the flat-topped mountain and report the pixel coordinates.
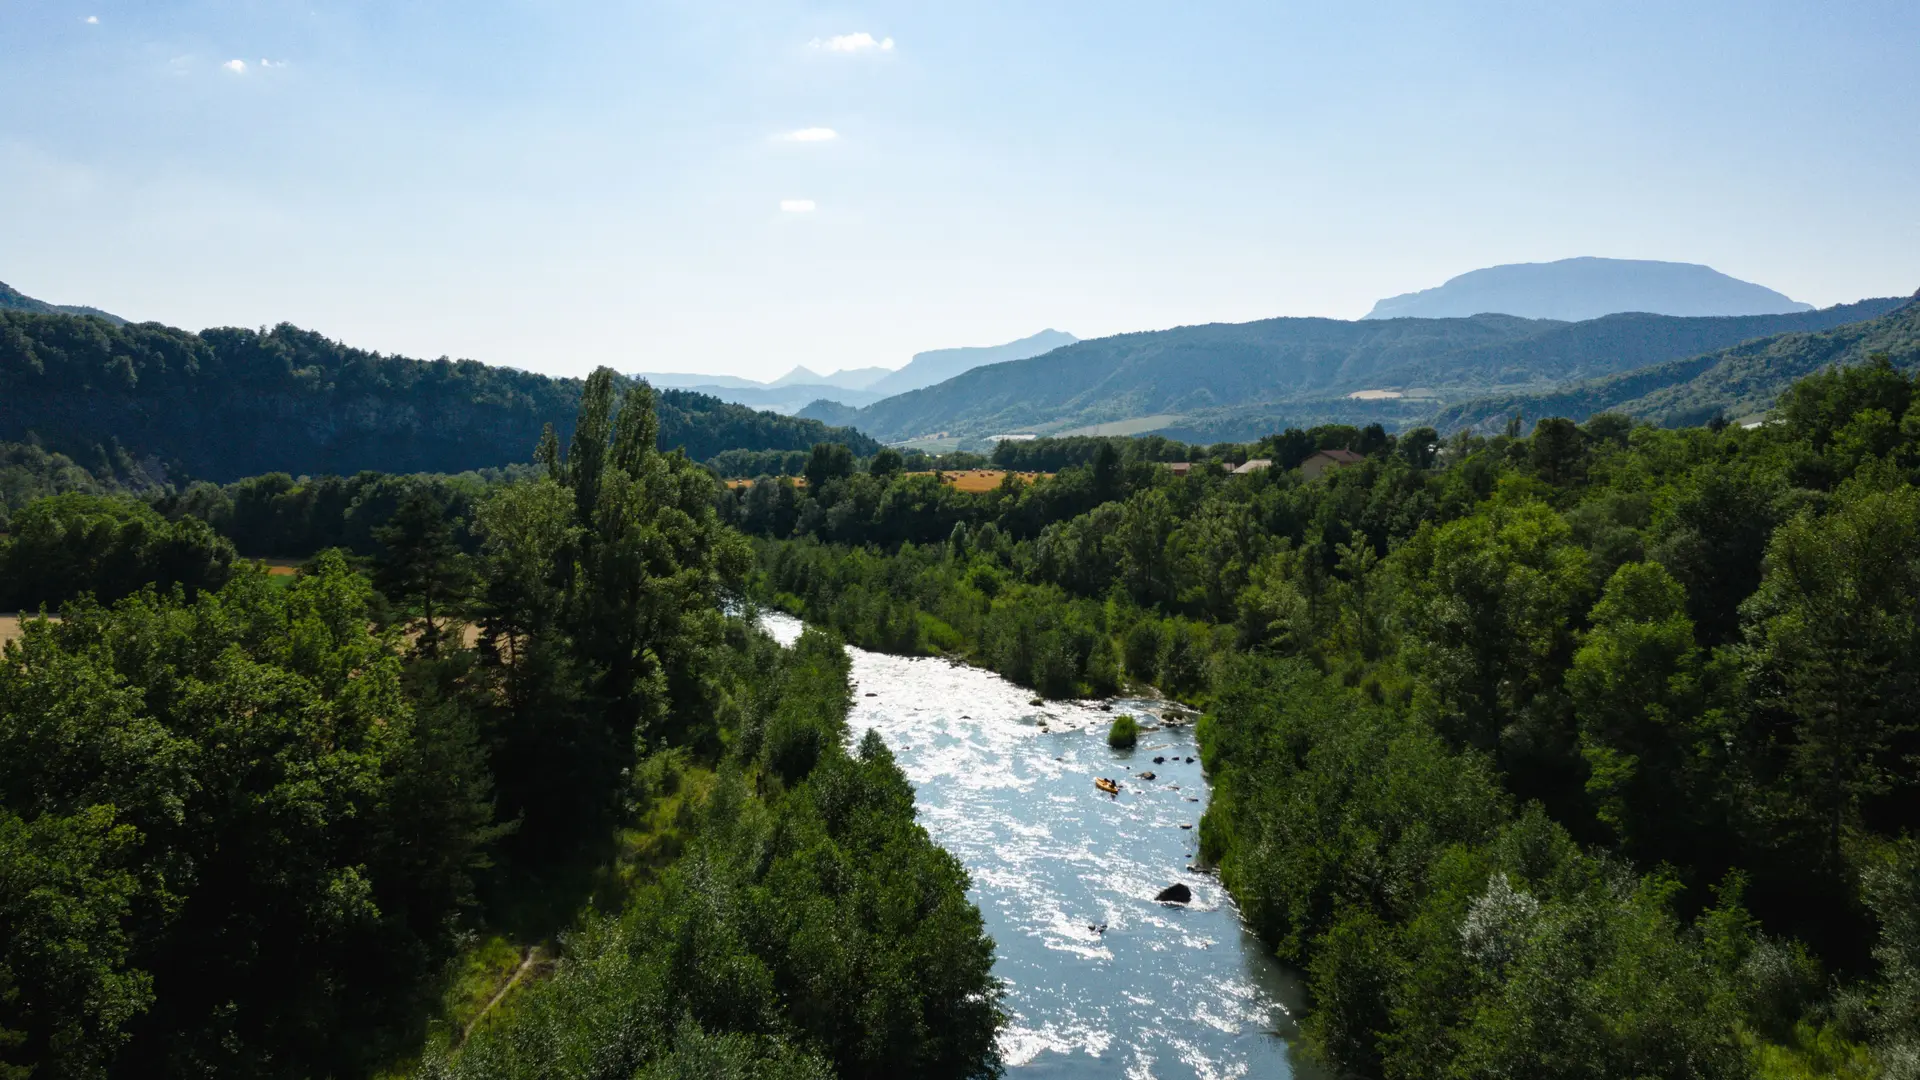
(1587, 288)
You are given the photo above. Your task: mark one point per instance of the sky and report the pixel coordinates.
(739, 187)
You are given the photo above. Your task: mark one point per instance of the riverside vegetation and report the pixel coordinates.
(314, 824)
(1583, 752)
(1578, 753)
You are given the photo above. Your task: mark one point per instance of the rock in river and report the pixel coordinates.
(1176, 893)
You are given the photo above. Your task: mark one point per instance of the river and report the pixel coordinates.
(1101, 980)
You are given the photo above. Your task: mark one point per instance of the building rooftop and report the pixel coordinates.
(1344, 457)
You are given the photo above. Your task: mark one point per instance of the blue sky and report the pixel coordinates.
(555, 184)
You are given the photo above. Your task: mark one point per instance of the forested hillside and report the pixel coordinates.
(227, 403)
(29, 472)
(540, 803)
(1226, 381)
(1735, 383)
(12, 299)
(1584, 753)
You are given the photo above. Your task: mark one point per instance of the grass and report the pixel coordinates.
(931, 446)
(1136, 425)
(484, 982)
(1813, 1054)
(1124, 733)
(478, 975)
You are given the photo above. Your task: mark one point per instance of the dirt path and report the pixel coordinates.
(534, 956)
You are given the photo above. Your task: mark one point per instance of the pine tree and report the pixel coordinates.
(422, 563)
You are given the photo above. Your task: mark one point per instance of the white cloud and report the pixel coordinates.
(93, 20)
(265, 63)
(812, 134)
(797, 206)
(238, 67)
(853, 43)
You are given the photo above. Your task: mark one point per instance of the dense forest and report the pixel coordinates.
(228, 403)
(1587, 751)
(1577, 751)
(321, 823)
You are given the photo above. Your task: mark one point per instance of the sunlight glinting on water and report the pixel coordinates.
(1101, 980)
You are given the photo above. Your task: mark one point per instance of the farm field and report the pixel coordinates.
(1136, 425)
(975, 480)
(10, 625)
(986, 479)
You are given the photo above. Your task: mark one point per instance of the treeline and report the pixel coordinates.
(227, 403)
(250, 825)
(1055, 453)
(65, 546)
(749, 464)
(111, 541)
(278, 516)
(882, 501)
(1580, 753)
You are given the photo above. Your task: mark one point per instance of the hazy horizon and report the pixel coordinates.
(678, 189)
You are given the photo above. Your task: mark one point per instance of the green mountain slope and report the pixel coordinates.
(226, 403)
(1736, 382)
(1223, 378)
(12, 299)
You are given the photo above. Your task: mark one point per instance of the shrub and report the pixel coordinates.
(1124, 732)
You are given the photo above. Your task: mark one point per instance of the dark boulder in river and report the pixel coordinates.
(1176, 893)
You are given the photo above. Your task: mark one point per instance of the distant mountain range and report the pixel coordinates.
(844, 379)
(855, 387)
(227, 402)
(12, 299)
(1238, 381)
(939, 365)
(1574, 290)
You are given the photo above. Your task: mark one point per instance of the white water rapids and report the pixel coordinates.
(1165, 990)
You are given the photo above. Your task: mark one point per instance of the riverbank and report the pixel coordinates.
(1101, 979)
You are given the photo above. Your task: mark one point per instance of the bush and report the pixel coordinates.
(1124, 732)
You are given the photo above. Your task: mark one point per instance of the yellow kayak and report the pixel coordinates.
(1106, 785)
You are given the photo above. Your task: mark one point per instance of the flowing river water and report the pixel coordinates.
(1101, 980)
